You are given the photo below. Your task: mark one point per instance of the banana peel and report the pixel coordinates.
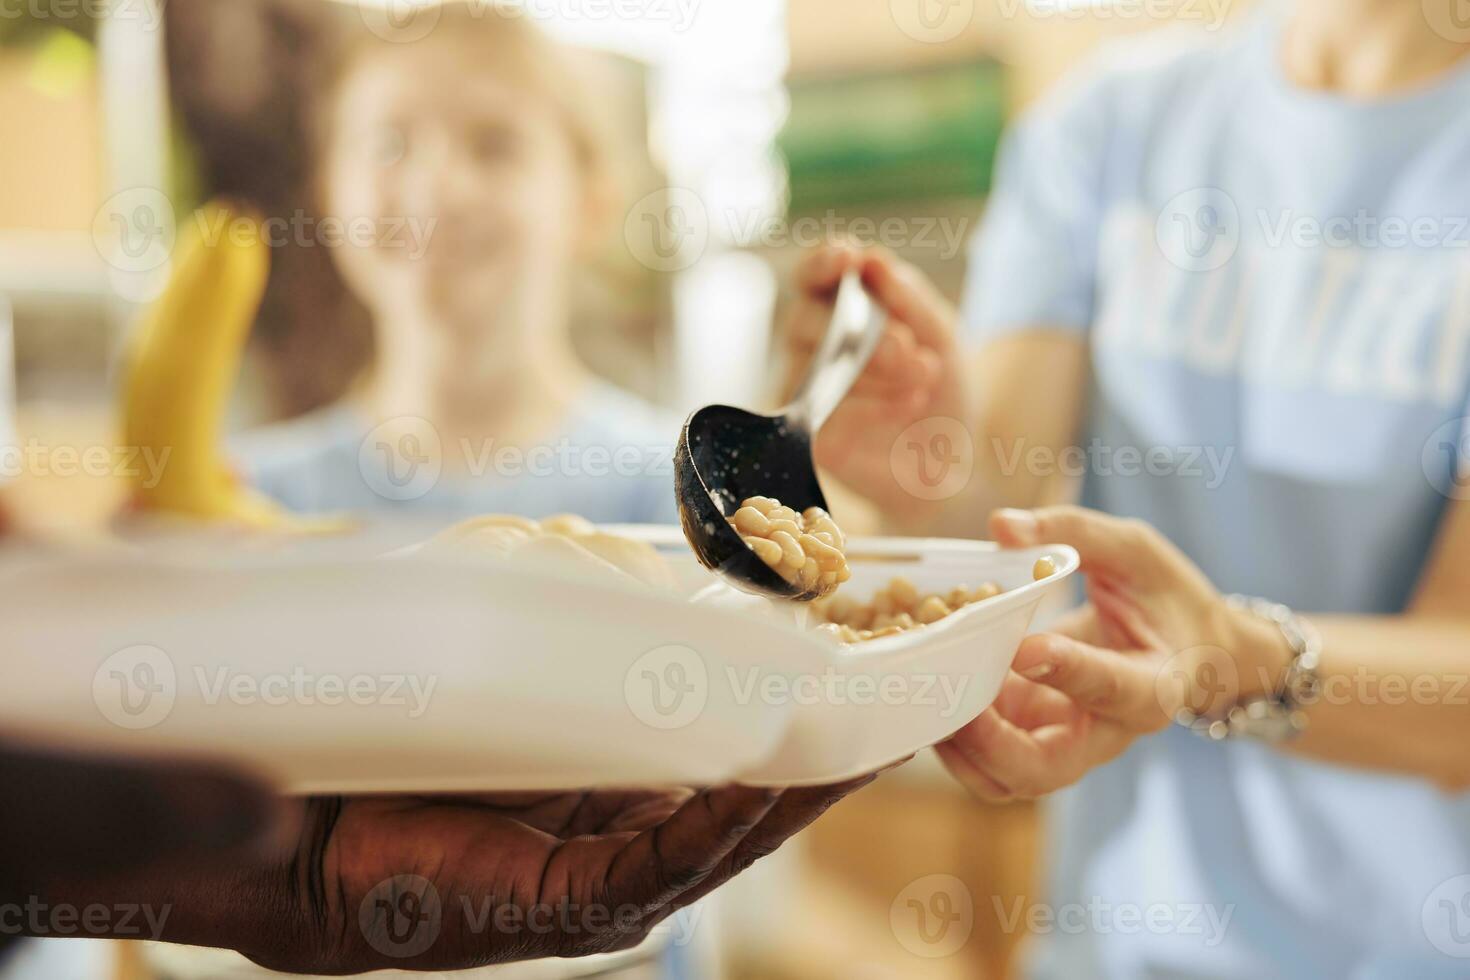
(180, 370)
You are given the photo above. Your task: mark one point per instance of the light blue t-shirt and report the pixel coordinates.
(611, 462)
(1275, 287)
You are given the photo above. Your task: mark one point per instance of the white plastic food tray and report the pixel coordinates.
(335, 672)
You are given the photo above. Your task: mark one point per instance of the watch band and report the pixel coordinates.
(1277, 717)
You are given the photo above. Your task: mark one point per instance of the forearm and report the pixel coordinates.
(240, 907)
(164, 849)
(1395, 696)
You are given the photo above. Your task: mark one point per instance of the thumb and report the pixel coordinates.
(63, 815)
(1117, 686)
(1111, 546)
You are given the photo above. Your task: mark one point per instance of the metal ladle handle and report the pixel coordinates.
(857, 326)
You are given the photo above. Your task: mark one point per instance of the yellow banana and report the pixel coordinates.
(181, 367)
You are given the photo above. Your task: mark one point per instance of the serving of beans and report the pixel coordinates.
(899, 607)
(805, 549)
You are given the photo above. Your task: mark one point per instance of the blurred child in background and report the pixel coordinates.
(472, 158)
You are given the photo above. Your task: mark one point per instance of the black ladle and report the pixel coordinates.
(726, 455)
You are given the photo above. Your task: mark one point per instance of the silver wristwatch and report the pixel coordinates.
(1276, 717)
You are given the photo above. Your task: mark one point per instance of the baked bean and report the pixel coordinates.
(896, 608)
(749, 520)
(931, 610)
(904, 592)
(987, 591)
(804, 549)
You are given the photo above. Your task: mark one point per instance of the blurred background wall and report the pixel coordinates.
(241, 81)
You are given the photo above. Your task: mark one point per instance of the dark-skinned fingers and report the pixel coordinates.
(603, 812)
(637, 814)
(578, 814)
(662, 863)
(796, 811)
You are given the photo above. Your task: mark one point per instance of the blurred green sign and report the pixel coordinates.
(911, 135)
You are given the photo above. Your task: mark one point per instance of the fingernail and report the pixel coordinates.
(1039, 672)
(1022, 525)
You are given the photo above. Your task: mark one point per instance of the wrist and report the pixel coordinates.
(237, 908)
(1269, 700)
(1261, 652)
(225, 894)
